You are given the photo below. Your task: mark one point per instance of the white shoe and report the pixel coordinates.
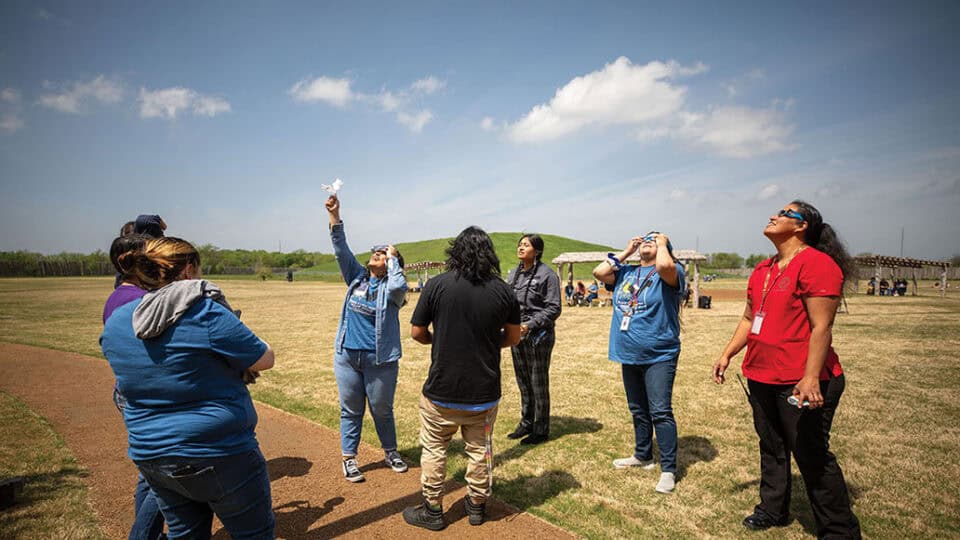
(632, 461)
(666, 483)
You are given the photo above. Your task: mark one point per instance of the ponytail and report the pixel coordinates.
(824, 238)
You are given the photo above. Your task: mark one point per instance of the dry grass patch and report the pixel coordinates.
(895, 433)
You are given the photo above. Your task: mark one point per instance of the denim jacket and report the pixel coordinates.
(389, 298)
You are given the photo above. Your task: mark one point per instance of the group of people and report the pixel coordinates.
(883, 288)
(467, 315)
(581, 295)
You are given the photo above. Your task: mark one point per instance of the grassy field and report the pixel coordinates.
(896, 433)
(53, 503)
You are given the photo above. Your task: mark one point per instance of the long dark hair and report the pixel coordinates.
(121, 247)
(471, 256)
(821, 236)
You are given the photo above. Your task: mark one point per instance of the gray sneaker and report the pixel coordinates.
(351, 472)
(666, 483)
(395, 461)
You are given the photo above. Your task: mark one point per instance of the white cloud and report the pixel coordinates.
(210, 106)
(169, 102)
(75, 98)
(739, 132)
(10, 123)
(336, 92)
(768, 192)
(415, 121)
(403, 102)
(488, 124)
(10, 95)
(428, 85)
(677, 195)
(620, 93)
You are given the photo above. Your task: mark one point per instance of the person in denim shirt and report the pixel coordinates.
(367, 345)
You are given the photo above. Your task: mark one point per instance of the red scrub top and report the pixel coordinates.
(778, 354)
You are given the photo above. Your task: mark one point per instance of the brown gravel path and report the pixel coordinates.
(310, 497)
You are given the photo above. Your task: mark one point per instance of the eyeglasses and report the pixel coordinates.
(379, 247)
(652, 237)
(790, 213)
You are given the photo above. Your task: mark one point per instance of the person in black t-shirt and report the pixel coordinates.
(474, 314)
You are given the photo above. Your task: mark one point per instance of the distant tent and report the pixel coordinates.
(879, 262)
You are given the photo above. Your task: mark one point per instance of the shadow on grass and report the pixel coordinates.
(799, 503)
(692, 449)
(527, 491)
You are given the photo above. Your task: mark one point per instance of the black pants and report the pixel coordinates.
(784, 429)
(531, 362)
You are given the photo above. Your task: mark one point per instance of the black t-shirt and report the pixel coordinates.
(466, 318)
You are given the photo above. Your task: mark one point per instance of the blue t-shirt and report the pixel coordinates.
(654, 332)
(185, 395)
(361, 314)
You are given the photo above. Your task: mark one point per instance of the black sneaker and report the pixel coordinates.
(424, 516)
(761, 521)
(351, 472)
(535, 438)
(518, 433)
(475, 512)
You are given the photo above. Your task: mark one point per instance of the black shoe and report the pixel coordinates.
(475, 512)
(424, 516)
(761, 521)
(518, 433)
(535, 439)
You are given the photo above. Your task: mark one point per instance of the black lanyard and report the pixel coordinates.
(516, 276)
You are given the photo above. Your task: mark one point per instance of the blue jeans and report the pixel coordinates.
(359, 380)
(649, 390)
(191, 490)
(147, 521)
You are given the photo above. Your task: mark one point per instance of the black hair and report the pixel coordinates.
(536, 241)
(821, 236)
(128, 228)
(471, 256)
(120, 251)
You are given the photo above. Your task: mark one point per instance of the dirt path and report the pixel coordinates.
(310, 497)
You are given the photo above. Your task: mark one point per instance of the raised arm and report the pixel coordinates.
(606, 271)
(665, 265)
(350, 268)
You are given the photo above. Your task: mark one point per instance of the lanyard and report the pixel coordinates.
(641, 287)
(763, 295)
(516, 276)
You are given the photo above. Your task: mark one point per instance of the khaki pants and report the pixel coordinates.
(437, 427)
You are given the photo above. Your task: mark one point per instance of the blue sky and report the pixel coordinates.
(595, 120)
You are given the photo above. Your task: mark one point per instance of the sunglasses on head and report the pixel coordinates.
(787, 212)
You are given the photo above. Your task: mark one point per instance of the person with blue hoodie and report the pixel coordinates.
(367, 345)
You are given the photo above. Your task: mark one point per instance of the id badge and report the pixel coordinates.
(624, 323)
(757, 322)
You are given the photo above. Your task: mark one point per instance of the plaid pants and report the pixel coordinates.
(531, 362)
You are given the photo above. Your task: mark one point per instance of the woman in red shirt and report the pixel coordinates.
(787, 329)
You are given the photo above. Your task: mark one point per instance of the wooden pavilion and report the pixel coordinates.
(879, 262)
(422, 270)
(686, 257)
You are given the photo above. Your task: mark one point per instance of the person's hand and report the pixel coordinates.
(808, 389)
(391, 252)
(333, 205)
(661, 240)
(719, 367)
(524, 330)
(633, 245)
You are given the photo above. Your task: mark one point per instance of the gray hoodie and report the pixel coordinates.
(159, 309)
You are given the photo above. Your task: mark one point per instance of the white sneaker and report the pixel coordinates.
(666, 483)
(632, 461)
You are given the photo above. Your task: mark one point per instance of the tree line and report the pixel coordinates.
(212, 259)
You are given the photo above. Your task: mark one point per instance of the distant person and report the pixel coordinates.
(884, 287)
(289, 276)
(568, 292)
(645, 341)
(787, 328)
(474, 314)
(367, 345)
(150, 225)
(179, 355)
(593, 292)
(580, 293)
(126, 230)
(148, 521)
(537, 288)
